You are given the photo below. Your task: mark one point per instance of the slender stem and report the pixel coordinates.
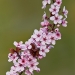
(53, 27)
(53, 1)
(21, 73)
(18, 55)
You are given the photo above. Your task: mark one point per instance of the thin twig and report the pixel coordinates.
(53, 27)
(21, 73)
(53, 1)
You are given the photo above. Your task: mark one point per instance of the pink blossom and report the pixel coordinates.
(32, 66)
(22, 61)
(65, 12)
(11, 73)
(44, 16)
(26, 46)
(12, 57)
(44, 40)
(57, 30)
(27, 72)
(57, 19)
(58, 35)
(37, 35)
(45, 23)
(43, 51)
(18, 44)
(58, 3)
(52, 38)
(54, 9)
(19, 66)
(64, 22)
(13, 68)
(45, 2)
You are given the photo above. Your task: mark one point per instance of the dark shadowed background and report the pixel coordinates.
(19, 18)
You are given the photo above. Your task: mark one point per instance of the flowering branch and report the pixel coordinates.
(25, 57)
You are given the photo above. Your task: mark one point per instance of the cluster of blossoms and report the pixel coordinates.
(26, 55)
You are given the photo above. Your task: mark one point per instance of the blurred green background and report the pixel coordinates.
(19, 18)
